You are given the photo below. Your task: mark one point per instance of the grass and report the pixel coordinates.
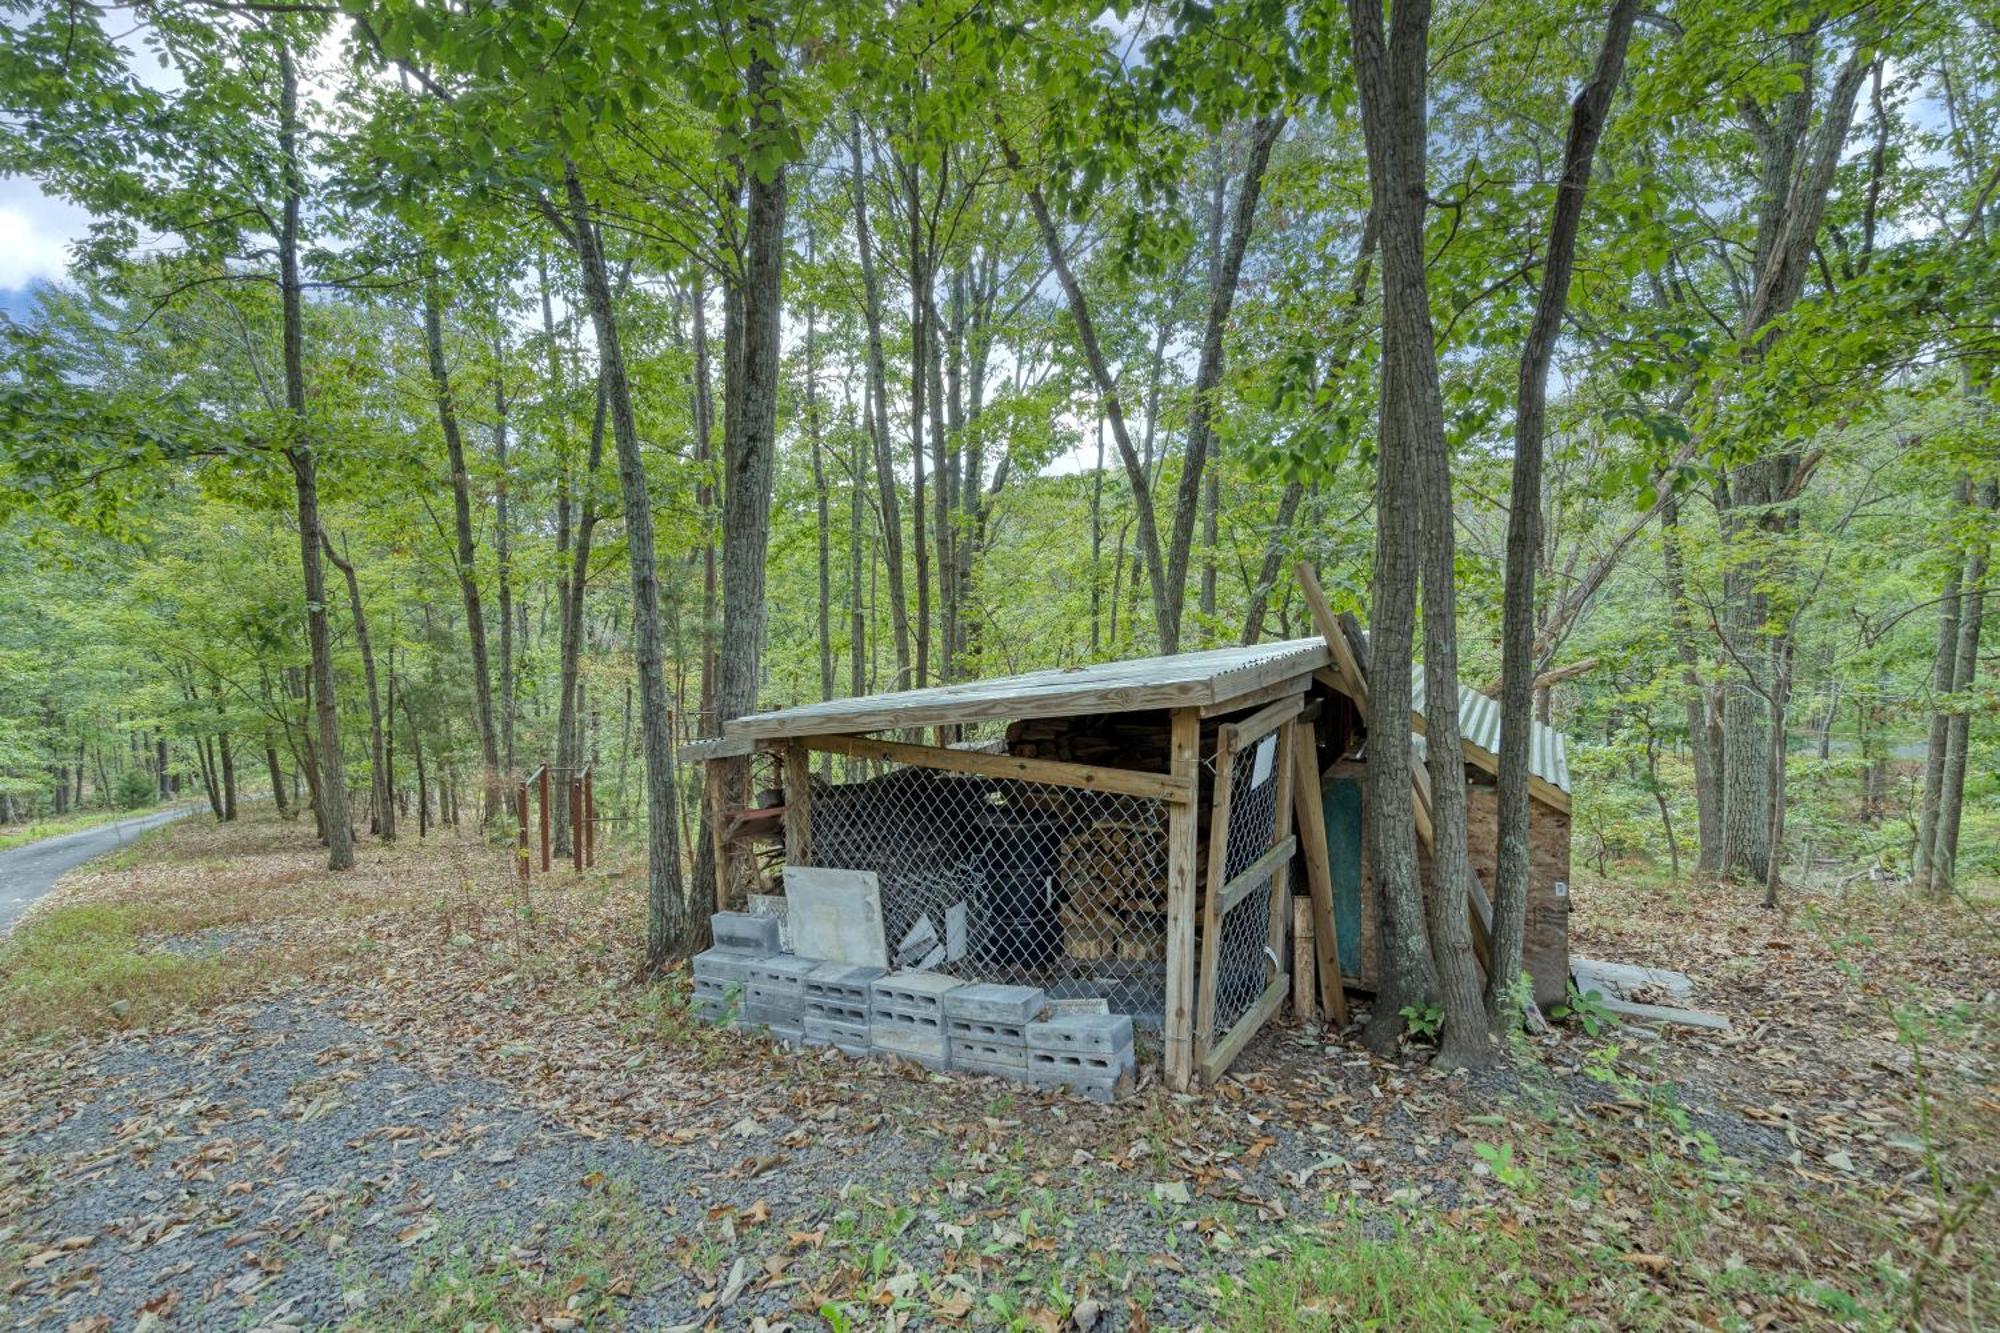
(20, 835)
(1484, 1270)
(599, 1253)
(86, 968)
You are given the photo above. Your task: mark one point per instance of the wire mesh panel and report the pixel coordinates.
(1242, 967)
(1009, 880)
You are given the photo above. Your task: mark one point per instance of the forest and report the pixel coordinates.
(441, 392)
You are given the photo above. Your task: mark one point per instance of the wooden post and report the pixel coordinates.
(576, 825)
(589, 821)
(521, 812)
(1311, 816)
(542, 799)
(1211, 897)
(798, 804)
(1304, 1003)
(718, 833)
(1183, 831)
(1281, 829)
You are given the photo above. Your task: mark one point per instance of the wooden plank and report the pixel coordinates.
(1264, 721)
(1179, 680)
(1211, 918)
(1216, 1063)
(1311, 820)
(1183, 832)
(1281, 836)
(1305, 1004)
(798, 804)
(1277, 689)
(1089, 777)
(1333, 680)
(1257, 874)
(705, 748)
(1344, 661)
(1659, 1013)
(718, 833)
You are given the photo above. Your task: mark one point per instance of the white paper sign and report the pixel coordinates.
(1260, 768)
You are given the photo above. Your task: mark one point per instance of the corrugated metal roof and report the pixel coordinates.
(1479, 725)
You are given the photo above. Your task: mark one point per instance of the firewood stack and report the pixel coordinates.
(1114, 740)
(1114, 881)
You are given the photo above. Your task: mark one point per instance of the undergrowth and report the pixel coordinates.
(86, 968)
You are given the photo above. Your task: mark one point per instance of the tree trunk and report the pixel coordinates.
(1524, 512)
(1704, 725)
(332, 795)
(1274, 556)
(1389, 74)
(378, 765)
(423, 779)
(1222, 285)
(494, 796)
(503, 555)
(1944, 675)
(277, 775)
(1965, 672)
(666, 905)
(878, 415)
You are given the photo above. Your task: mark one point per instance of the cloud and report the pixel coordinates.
(35, 233)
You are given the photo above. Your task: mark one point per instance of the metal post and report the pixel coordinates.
(589, 820)
(576, 825)
(542, 784)
(521, 812)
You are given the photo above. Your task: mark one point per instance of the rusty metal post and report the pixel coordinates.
(576, 825)
(589, 821)
(521, 812)
(542, 783)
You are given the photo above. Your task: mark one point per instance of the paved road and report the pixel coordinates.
(26, 873)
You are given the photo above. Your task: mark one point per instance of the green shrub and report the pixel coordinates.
(135, 789)
(84, 968)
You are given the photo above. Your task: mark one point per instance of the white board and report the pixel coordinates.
(836, 915)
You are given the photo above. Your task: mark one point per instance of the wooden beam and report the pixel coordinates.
(1257, 874)
(1089, 777)
(1263, 722)
(1305, 1002)
(1216, 1063)
(1311, 820)
(1281, 837)
(798, 804)
(1277, 689)
(1183, 831)
(1344, 661)
(1211, 918)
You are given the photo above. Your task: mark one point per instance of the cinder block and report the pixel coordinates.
(1000, 1005)
(1103, 1034)
(841, 991)
(1081, 1070)
(715, 1001)
(999, 1034)
(741, 932)
(988, 1057)
(927, 1046)
(775, 992)
(1096, 1090)
(725, 965)
(914, 990)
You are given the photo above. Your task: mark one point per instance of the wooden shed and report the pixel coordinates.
(1123, 830)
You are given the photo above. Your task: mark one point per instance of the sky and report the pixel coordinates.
(35, 235)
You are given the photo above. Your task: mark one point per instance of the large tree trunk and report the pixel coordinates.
(1704, 722)
(1389, 74)
(1944, 675)
(1958, 740)
(468, 581)
(878, 413)
(667, 908)
(382, 799)
(920, 338)
(332, 794)
(1524, 512)
(1797, 173)
(503, 555)
(749, 468)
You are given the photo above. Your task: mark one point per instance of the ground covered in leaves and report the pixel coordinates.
(238, 1091)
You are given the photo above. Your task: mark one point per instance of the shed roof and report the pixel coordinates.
(1479, 726)
(1203, 680)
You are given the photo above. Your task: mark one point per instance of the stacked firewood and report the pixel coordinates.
(1114, 740)
(1114, 882)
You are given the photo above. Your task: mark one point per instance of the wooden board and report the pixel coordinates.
(1197, 680)
(1183, 831)
(1089, 777)
(1311, 821)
